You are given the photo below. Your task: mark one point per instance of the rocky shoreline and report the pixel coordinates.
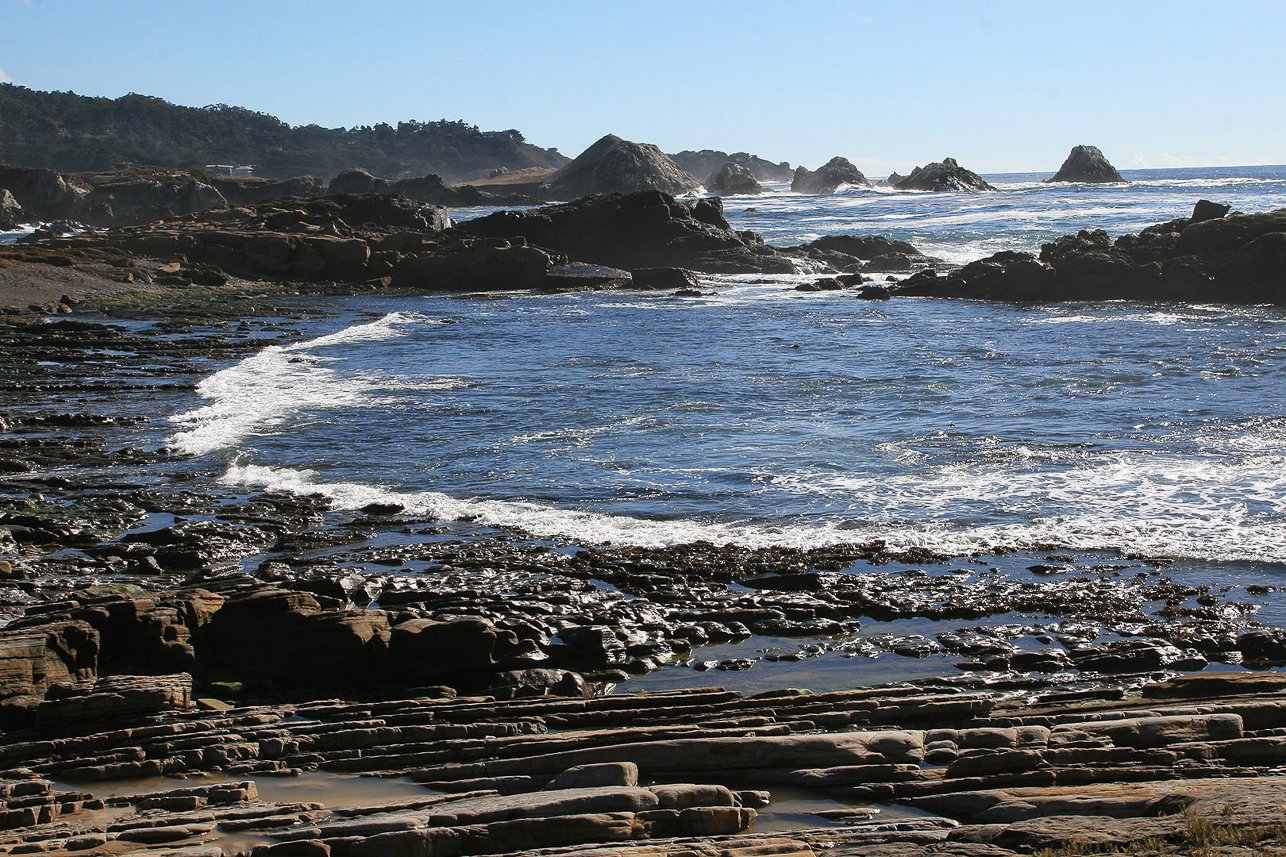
(160, 625)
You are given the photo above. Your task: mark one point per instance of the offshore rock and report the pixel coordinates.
(706, 161)
(732, 179)
(944, 175)
(873, 253)
(613, 165)
(1239, 259)
(828, 178)
(1086, 164)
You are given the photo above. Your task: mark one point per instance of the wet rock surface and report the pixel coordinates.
(1211, 256)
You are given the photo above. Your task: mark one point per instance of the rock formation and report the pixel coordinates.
(637, 230)
(732, 179)
(828, 178)
(944, 175)
(1208, 257)
(1086, 164)
(706, 161)
(11, 214)
(613, 165)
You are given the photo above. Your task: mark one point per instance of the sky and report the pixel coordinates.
(889, 84)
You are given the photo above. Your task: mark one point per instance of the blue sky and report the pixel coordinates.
(1000, 86)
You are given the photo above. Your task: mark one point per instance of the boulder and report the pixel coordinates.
(828, 178)
(1086, 164)
(613, 165)
(732, 179)
(944, 175)
(356, 180)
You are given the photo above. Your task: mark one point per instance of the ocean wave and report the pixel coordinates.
(1233, 537)
(264, 389)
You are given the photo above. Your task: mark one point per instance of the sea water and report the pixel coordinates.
(756, 414)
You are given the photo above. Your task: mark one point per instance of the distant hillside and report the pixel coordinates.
(67, 132)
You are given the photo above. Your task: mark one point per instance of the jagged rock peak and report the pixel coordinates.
(614, 165)
(1086, 164)
(828, 178)
(944, 175)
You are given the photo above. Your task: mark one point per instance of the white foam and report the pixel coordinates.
(264, 389)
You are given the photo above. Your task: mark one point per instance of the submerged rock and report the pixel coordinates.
(944, 175)
(1086, 164)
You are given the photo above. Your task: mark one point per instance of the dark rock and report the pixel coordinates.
(1086, 164)
(664, 278)
(732, 179)
(1207, 210)
(576, 276)
(706, 161)
(636, 230)
(613, 165)
(1237, 258)
(828, 178)
(944, 175)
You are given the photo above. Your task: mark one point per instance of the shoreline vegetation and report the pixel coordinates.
(169, 631)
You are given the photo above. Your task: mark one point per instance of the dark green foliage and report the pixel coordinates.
(67, 132)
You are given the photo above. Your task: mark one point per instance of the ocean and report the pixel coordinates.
(760, 415)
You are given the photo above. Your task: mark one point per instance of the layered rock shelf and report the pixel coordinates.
(906, 768)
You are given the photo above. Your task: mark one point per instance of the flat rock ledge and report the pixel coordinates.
(1192, 763)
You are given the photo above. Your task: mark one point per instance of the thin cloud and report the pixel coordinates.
(4, 78)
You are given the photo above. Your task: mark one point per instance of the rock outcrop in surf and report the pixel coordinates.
(1086, 164)
(732, 179)
(944, 175)
(828, 178)
(706, 161)
(1210, 257)
(613, 165)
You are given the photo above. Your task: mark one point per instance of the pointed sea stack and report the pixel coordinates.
(1086, 164)
(613, 165)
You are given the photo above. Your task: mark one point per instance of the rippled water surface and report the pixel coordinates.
(761, 415)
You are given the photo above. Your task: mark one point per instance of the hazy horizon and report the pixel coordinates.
(1003, 87)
